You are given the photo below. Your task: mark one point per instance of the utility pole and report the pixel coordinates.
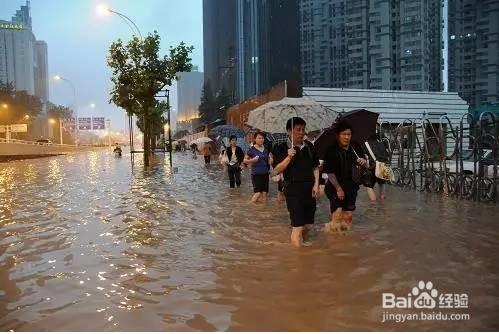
(169, 128)
(60, 130)
(108, 126)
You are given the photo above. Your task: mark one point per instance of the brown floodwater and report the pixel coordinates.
(88, 243)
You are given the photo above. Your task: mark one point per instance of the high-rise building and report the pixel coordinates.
(376, 44)
(250, 45)
(23, 59)
(251, 31)
(473, 35)
(23, 15)
(284, 42)
(267, 45)
(41, 71)
(17, 56)
(189, 91)
(219, 43)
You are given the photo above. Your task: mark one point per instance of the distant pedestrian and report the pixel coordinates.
(258, 157)
(375, 151)
(297, 160)
(234, 157)
(206, 153)
(194, 149)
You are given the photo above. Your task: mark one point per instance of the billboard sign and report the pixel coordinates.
(19, 128)
(98, 123)
(85, 123)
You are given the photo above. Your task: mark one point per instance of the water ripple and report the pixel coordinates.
(144, 249)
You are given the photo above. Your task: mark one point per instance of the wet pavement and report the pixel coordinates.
(88, 243)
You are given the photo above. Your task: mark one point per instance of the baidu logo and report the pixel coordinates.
(424, 302)
(425, 296)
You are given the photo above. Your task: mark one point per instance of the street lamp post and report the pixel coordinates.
(169, 128)
(104, 10)
(108, 125)
(59, 78)
(60, 131)
(52, 122)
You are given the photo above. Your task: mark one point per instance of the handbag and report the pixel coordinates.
(383, 170)
(360, 174)
(224, 158)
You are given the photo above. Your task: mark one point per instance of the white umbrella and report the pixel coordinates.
(272, 116)
(202, 140)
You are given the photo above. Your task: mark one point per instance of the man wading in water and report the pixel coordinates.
(298, 161)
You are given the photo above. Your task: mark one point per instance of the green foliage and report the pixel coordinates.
(211, 107)
(207, 108)
(19, 104)
(223, 102)
(139, 74)
(156, 118)
(58, 111)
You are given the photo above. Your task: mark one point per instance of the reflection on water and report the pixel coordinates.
(87, 243)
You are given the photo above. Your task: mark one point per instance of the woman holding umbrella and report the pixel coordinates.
(341, 188)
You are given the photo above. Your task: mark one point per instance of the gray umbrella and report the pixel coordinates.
(272, 116)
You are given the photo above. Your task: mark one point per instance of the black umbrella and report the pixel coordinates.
(325, 140)
(363, 123)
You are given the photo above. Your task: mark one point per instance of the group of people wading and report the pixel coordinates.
(299, 170)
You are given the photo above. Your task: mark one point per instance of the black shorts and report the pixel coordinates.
(260, 183)
(301, 205)
(347, 204)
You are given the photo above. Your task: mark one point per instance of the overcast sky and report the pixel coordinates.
(78, 42)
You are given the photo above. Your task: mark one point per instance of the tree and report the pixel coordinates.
(58, 111)
(61, 112)
(19, 104)
(223, 102)
(157, 121)
(207, 108)
(139, 74)
(211, 107)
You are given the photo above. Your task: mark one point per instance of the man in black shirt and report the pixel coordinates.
(341, 188)
(298, 161)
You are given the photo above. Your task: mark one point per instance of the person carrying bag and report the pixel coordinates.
(382, 169)
(232, 158)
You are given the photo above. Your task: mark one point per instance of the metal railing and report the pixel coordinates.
(453, 160)
(27, 142)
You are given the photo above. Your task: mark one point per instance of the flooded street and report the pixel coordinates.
(87, 243)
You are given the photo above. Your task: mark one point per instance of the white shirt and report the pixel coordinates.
(233, 158)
